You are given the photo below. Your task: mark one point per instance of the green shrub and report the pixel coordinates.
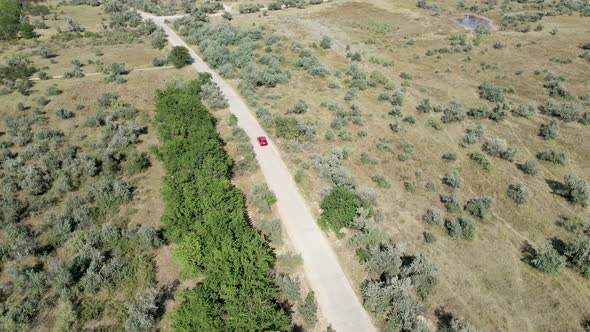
(53, 90)
(530, 167)
(497, 147)
(271, 228)
(518, 192)
(461, 228)
(453, 179)
(339, 207)
(577, 252)
(429, 237)
(554, 156)
(326, 42)
(481, 160)
(566, 112)
(137, 162)
(454, 112)
(264, 199)
(450, 156)
(550, 130)
(433, 216)
(547, 259)
(451, 202)
(159, 62)
(492, 92)
(576, 190)
(309, 310)
(289, 289)
(525, 111)
(473, 134)
(300, 107)
(480, 207)
(179, 56)
(381, 181)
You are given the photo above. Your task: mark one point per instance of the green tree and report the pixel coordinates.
(179, 56)
(10, 14)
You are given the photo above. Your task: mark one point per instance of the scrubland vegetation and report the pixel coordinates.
(446, 165)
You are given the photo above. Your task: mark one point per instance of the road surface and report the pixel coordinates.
(335, 296)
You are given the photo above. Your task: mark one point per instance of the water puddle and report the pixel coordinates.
(471, 22)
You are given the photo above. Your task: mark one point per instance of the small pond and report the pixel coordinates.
(471, 22)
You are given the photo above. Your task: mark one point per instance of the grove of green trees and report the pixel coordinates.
(205, 216)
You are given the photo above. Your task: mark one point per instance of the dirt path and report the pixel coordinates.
(97, 74)
(334, 294)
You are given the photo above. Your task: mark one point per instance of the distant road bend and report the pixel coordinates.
(336, 298)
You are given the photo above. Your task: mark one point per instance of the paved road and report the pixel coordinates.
(334, 294)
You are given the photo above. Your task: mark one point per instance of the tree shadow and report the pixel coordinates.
(166, 294)
(557, 187)
(528, 252)
(444, 317)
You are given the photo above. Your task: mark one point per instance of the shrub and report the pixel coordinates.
(576, 190)
(497, 147)
(563, 111)
(300, 107)
(381, 181)
(530, 167)
(63, 113)
(213, 96)
(577, 252)
(480, 207)
(339, 207)
(53, 90)
(456, 325)
(326, 42)
(550, 130)
(309, 310)
(384, 259)
(481, 160)
(453, 179)
(450, 156)
(433, 216)
(518, 192)
(492, 92)
(429, 237)
(137, 162)
(141, 312)
(451, 202)
(547, 259)
(525, 111)
(474, 134)
(159, 62)
(179, 56)
(158, 39)
(461, 227)
(554, 156)
(289, 289)
(263, 198)
(271, 228)
(410, 186)
(424, 106)
(107, 99)
(246, 8)
(454, 112)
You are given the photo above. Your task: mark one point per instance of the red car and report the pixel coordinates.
(262, 141)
